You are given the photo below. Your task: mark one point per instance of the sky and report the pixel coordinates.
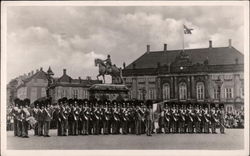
(72, 37)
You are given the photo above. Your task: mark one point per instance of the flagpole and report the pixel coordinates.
(183, 35)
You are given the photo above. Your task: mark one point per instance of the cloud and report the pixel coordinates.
(71, 37)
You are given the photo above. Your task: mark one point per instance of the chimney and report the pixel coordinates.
(124, 65)
(80, 79)
(230, 43)
(165, 47)
(32, 72)
(41, 69)
(210, 44)
(64, 71)
(148, 48)
(28, 74)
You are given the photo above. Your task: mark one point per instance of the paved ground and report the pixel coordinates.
(233, 139)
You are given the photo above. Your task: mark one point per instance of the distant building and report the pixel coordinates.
(67, 87)
(33, 87)
(204, 75)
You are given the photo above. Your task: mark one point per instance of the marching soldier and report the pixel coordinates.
(175, 117)
(85, 116)
(206, 120)
(47, 116)
(198, 117)
(40, 119)
(80, 125)
(132, 118)
(149, 118)
(96, 119)
(182, 119)
(124, 119)
(25, 124)
(214, 119)
(58, 118)
(167, 117)
(14, 112)
(107, 118)
(138, 118)
(34, 113)
(115, 119)
(64, 114)
(190, 119)
(221, 116)
(143, 123)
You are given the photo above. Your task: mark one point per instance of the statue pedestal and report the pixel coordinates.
(109, 91)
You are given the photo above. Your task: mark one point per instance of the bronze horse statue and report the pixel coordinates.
(113, 71)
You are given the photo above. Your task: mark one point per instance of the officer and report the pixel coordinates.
(149, 114)
(132, 117)
(58, 117)
(80, 125)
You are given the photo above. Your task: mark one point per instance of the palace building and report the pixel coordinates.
(204, 75)
(35, 85)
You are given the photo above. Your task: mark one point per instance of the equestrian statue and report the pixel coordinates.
(106, 68)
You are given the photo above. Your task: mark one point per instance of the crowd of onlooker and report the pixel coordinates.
(234, 119)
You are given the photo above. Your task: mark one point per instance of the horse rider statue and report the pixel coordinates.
(106, 68)
(108, 64)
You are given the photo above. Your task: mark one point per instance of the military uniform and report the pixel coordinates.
(167, 118)
(14, 112)
(213, 119)
(40, 119)
(149, 114)
(47, 117)
(206, 120)
(138, 119)
(25, 113)
(175, 117)
(198, 117)
(221, 116)
(190, 120)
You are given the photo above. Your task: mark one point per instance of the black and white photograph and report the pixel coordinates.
(130, 78)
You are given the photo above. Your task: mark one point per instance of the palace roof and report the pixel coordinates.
(214, 56)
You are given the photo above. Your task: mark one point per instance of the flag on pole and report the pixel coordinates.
(187, 30)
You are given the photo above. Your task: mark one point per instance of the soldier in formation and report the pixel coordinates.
(92, 117)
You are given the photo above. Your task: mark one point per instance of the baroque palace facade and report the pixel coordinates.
(205, 75)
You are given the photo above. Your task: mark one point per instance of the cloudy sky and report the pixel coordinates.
(72, 37)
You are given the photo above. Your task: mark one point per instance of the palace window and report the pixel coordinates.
(216, 93)
(63, 93)
(182, 91)
(200, 91)
(242, 92)
(85, 94)
(43, 92)
(140, 95)
(229, 93)
(166, 91)
(75, 93)
(228, 76)
(151, 93)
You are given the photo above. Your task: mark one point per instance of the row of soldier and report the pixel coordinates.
(105, 117)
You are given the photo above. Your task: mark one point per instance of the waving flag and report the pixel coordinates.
(187, 30)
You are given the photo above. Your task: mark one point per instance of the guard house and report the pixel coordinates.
(109, 92)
